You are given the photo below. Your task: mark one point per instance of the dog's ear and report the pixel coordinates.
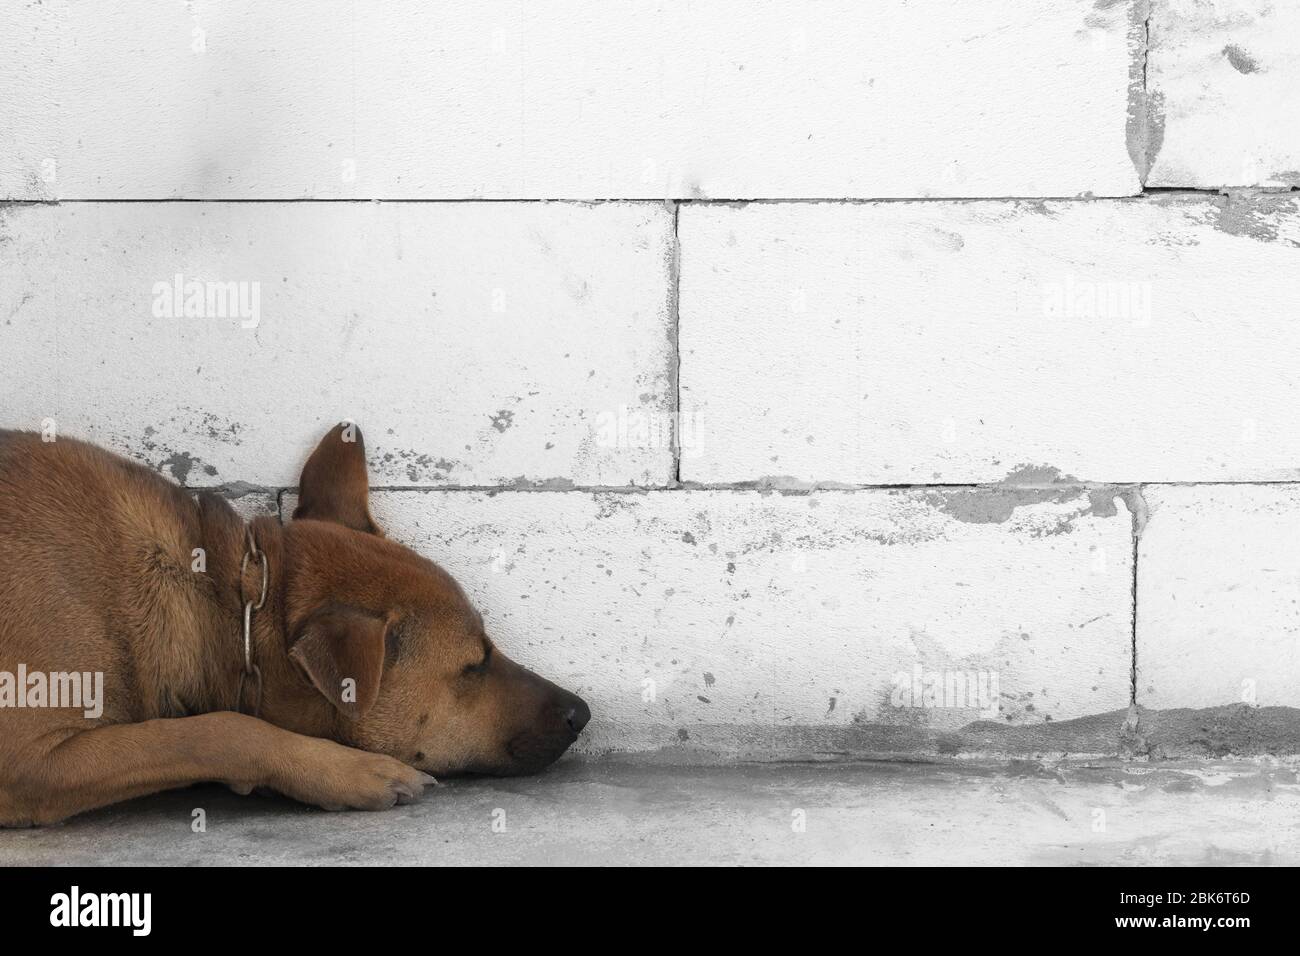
(341, 649)
(334, 486)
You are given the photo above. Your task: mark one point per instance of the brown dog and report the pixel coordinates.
(367, 668)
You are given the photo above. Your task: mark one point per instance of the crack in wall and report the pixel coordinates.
(734, 202)
(1139, 512)
(674, 337)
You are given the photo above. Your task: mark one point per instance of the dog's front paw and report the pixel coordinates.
(341, 778)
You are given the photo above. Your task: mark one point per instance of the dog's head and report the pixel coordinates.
(391, 641)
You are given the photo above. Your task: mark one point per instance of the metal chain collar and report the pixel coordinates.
(251, 673)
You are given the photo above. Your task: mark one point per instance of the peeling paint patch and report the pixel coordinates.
(503, 419)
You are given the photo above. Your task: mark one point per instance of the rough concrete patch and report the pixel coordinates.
(672, 376)
(1095, 735)
(992, 505)
(1137, 506)
(947, 240)
(1037, 207)
(180, 465)
(1241, 61)
(1025, 486)
(1102, 503)
(1253, 215)
(522, 483)
(1028, 474)
(156, 446)
(1145, 125)
(780, 484)
(421, 468)
(1236, 729)
(240, 489)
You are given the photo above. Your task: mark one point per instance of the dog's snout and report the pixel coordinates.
(577, 714)
(558, 716)
(569, 711)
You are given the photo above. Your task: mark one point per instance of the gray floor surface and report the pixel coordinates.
(628, 811)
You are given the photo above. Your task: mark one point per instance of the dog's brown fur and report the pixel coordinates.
(96, 574)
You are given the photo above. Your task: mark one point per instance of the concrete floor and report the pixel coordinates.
(637, 811)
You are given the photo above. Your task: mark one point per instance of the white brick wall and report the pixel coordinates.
(1062, 373)
(567, 99)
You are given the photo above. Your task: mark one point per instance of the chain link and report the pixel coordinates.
(250, 670)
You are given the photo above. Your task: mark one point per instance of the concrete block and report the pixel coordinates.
(476, 344)
(922, 343)
(577, 99)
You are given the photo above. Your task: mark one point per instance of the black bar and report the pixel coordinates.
(335, 906)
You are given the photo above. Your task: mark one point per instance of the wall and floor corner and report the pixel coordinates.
(789, 380)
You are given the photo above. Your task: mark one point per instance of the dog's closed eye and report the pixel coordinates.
(470, 670)
(394, 639)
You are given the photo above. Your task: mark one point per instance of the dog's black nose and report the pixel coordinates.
(577, 715)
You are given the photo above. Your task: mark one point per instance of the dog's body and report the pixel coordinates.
(374, 668)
